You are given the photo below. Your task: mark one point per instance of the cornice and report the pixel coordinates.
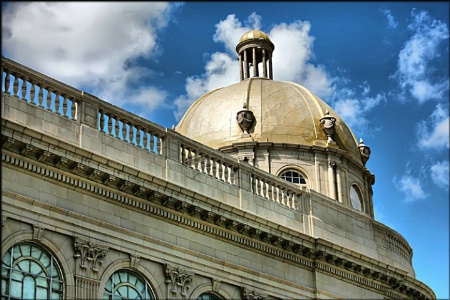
(163, 203)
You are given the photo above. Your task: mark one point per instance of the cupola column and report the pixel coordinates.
(241, 68)
(264, 63)
(255, 64)
(245, 64)
(270, 67)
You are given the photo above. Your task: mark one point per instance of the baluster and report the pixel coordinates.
(15, 85)
(152, 142)
(252, 178)
(138, 135)
(48, 98)
(109, 123)
(40, 96)
(189, 157)
(124, 130)
(130, 132)
(32, 92)
(183, 154)
(196, 159)
(117, 127)
(64, 105)
(74, 110)
(215, 166)
(57, 101)
(23, 92)
(264, 189)
(232, 175)
(202, 163)
(225, 171)
(145, 139)
(159, 144)
(7, 82)
(279, 194)
(208, 165)
(101, 120)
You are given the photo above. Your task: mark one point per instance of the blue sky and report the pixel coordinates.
(383, 66)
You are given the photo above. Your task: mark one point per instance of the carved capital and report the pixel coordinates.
(178, 280)
(90, 253)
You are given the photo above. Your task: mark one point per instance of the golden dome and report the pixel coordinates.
(254, 34)
(285, 112)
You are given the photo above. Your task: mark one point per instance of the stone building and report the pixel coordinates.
(260, 192)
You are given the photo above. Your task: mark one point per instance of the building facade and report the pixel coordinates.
(260, 192)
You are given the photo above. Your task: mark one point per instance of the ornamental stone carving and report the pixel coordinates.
(38, 232)
(245, 119)
(364, 150)
(329, 126)
(90, 253)
(251, 295)
(177, 280)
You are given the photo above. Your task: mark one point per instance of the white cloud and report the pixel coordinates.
(353, 108)
(434, 132)
(440, 174)
(87, 44)
(392, 23)
(292, 64)
(410, 186)
(414, 72)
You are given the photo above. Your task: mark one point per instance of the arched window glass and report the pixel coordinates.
(30, 272)
(355, 198)
(294, 177)
(124, 284)
(208, 296)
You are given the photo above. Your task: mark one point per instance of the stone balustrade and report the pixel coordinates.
(83, 108)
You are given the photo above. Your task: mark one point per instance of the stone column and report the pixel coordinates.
(245, 65)
(331, 186)
(264, 62)
(241, 70)
(270, 67)
(255, 64)
(338, 184)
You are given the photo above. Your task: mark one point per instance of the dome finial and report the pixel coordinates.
(253, 48)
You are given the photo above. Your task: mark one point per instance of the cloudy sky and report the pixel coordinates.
(383, 66)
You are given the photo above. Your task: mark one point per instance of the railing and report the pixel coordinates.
(394, 241)
(58, 98)
(37, 90)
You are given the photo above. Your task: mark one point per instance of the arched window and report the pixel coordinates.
(125, 284)
(208, 296)
(293, 176)
(356, 198)
(30, 272)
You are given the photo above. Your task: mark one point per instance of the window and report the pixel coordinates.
(124, 284)
(294, 177)
(355, 198)
(208, 296)
(30, 272)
